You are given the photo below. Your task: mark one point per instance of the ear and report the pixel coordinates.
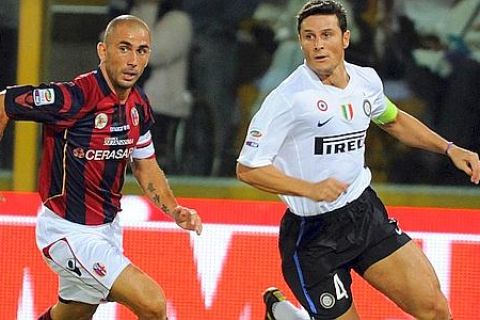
(346, 39)
(101, 51)
(300, 41)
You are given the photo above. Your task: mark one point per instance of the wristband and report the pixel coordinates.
(449, 146)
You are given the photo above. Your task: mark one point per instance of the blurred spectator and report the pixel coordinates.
(166, 85)
(288, 55)
(8, 70)
(165, 78)
(213, 74)
(119, 7)
(440, 45)
(459, 116)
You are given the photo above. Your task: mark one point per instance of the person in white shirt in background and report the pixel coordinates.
(166, 85)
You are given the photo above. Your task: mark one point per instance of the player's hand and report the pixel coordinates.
(188, 219)
(467, 161)
(327, 190)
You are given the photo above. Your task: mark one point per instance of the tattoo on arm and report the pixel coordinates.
(165, 209)
(156, 198)
(150, 187)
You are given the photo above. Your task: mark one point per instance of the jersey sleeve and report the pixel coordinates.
(54, 103)
(388, 115)
(144, 148)
(267, 132)
(375, 86)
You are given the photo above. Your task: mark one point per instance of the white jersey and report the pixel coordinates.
(314, 131)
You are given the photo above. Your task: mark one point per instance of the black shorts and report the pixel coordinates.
(319, 252)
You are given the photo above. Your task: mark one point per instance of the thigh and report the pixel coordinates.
(135, 289)
(317, 275)
(406, 277)
(73, 310)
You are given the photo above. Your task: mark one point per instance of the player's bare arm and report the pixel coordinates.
(3, 114)
(155, 185)
(270, 179)
(414, 133)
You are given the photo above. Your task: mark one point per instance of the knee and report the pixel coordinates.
(434, 307)
(154, 309)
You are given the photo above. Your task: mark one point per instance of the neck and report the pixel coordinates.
(121, 93)
(336, 78)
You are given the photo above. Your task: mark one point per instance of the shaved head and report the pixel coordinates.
(124, 53)
(131, 21)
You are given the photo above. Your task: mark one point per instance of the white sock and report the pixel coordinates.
(285, 310)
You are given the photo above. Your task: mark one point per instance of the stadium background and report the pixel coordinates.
(221, 274)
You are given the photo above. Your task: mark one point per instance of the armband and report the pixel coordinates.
(389, 115)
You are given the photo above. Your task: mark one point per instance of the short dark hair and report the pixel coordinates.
(323, 7)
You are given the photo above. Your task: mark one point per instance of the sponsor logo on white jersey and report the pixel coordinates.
(340, 143)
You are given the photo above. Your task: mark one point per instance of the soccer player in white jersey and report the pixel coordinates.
(307, 144)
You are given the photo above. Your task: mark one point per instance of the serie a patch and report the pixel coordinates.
(42, 97)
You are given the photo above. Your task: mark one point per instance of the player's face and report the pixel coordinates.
(125, 55)
(323, 44)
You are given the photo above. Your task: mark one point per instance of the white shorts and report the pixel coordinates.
(87, 259)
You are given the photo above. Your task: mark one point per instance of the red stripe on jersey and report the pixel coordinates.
(67, 100)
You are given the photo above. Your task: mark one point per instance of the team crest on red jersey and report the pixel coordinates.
(101, 121)
(135, 117)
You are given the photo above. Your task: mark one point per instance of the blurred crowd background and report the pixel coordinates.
(213, 61)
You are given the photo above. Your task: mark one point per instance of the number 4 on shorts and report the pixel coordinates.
(339, 287)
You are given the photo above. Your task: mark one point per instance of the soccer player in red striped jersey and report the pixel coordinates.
(93, 126)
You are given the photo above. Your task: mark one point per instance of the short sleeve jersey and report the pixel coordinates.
(88, 139)
(314, 131)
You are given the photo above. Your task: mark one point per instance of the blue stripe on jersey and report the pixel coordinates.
(57, 173)
(76, 208)
(309, 299)
(111, 167)
(109, 174)
(102, 83)
(77, 99)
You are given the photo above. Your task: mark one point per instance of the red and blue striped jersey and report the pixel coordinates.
(88, 139)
